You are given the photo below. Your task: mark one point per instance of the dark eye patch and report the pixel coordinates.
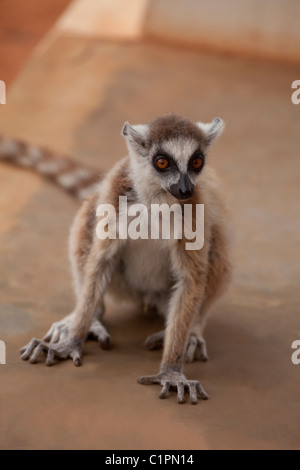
(172, 166)
(197, 161)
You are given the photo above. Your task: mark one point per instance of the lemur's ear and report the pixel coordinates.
(136, 135)
(212, 130)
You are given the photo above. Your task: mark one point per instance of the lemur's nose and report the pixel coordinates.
(185, 186)
(183, 189)
(185, 193)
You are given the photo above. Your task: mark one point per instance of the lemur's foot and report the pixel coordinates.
(68, 349)
(174, 380)
(195, 351)
(59, 331)
(155, 341)
(99, 332)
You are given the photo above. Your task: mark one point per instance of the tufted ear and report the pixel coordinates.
(136, 135)
(212, 130)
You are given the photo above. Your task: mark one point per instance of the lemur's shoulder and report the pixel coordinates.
(118, 182)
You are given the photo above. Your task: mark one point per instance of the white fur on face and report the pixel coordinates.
(147, 181)
(181, 150)
(152, 185)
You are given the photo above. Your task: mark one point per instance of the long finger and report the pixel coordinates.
(64, 333)
(49, 334)
(203, 395)
(180, 392)
(148, 380)
(193, 393)
(27, 350)
(55, 335)
(50, 357)
(165, 390)
(36, 354)
(76, 356)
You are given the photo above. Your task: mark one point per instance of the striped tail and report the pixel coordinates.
(76, 179)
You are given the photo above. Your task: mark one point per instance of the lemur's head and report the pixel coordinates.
(169, 152)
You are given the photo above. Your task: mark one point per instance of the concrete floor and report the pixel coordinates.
(74, 97)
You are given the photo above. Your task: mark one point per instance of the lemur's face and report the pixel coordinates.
(170, 152)
(177, 163)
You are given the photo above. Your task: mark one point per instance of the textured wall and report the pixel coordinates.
(269, 28)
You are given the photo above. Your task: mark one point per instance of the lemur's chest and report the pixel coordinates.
(146, 265)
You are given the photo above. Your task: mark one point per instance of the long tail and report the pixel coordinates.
(76, 179)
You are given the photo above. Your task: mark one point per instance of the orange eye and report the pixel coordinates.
(197, 163)
(162, 163)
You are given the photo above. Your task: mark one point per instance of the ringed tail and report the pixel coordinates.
(78, 180)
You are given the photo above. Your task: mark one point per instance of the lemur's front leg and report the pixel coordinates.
(184, 305)
(98, 272)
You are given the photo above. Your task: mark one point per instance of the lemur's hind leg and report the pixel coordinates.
(160, 302)
(155, 341)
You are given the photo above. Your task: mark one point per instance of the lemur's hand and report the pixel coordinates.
(59, 332)
(173, 380)
(66, 349)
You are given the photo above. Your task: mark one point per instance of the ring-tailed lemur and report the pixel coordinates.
(166, 164)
